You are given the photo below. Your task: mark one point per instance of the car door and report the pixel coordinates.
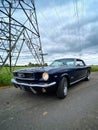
(81, 69)
(72, 72)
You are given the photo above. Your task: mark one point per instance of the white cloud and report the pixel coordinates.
(67, 33)
(67, 29)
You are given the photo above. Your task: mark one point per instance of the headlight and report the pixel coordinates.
(45, 76)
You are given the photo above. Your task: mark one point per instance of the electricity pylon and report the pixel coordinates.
(18, 28)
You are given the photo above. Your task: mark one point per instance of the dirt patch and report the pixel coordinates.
(5, 87)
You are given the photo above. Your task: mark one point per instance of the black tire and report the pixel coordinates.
(62, 88)
(88, 76)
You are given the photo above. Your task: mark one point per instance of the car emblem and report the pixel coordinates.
(21, 75)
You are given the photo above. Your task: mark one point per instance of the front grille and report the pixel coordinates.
(36, 76)
(25, 75)
(30, 81)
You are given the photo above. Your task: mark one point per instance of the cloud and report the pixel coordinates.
(68, 28)
(65, 33)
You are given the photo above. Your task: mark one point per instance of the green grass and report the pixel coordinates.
(5, 76)
(94, 68)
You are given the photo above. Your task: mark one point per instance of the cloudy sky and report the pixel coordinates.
(69, 28)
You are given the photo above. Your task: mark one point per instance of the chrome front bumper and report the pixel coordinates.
(44, 85)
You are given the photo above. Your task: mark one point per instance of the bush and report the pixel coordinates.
(5, 78)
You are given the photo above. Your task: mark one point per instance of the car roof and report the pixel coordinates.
(69, 59)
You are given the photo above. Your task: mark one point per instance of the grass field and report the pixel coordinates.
(5, 76)
(94, 68)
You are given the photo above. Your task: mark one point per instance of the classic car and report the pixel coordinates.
(58, 76)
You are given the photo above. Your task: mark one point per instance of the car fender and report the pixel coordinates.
(65, 75)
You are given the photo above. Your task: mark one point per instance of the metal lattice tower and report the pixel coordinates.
(18, 26)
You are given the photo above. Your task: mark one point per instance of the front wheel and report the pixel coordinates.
(62, 88)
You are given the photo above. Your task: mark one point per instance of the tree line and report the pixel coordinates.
(29, 65)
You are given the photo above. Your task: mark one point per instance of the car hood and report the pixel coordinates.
(45, 69)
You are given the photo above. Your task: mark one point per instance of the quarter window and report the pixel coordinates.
(79, 63)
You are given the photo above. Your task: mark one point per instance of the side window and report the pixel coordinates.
(79, 63)
(70, 63)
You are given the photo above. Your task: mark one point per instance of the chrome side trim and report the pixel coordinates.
(77, 81)
(32, 85)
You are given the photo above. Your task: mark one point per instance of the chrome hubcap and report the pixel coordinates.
(88, 76)
(65, 88)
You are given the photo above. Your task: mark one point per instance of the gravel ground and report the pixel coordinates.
(21, 110)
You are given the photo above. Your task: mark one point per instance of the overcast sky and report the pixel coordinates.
(69, 28)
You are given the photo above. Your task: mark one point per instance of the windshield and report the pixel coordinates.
(62, 62)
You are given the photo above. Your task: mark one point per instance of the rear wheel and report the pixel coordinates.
(62, 88)
(88, 76)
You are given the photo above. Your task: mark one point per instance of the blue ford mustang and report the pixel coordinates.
(57, 77)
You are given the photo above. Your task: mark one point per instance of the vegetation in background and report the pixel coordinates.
(36, 65)
(94, 68)
(5, 75)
